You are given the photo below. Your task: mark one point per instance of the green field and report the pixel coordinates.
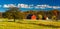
(30, 24)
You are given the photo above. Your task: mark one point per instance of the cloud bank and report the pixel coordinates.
(29, 6)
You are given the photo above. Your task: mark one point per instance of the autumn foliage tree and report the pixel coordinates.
(55, 12)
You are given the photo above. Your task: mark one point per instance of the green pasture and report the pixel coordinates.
(29, 24)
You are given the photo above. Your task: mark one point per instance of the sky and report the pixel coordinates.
(25, 5)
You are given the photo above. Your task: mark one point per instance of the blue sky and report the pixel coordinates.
(35, 2)
(29, 2)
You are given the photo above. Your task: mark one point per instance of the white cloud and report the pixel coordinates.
(41, 6)
(19, 6)
(56, 7)
(23, 6)
(47, 6)
(11, 5)
(30, 6)
(8, 5)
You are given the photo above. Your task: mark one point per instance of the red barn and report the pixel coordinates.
(33, 17)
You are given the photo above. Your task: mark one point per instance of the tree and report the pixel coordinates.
(55, 12)
(13, 13)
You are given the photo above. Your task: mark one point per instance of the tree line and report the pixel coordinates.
(16, 13)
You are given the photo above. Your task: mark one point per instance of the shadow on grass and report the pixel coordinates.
(49, 26)
(52, 26)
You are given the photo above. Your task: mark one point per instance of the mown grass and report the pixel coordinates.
(30, 24)
(44, 23)
(12, 25)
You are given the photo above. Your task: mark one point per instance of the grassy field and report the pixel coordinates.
(30, 24)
